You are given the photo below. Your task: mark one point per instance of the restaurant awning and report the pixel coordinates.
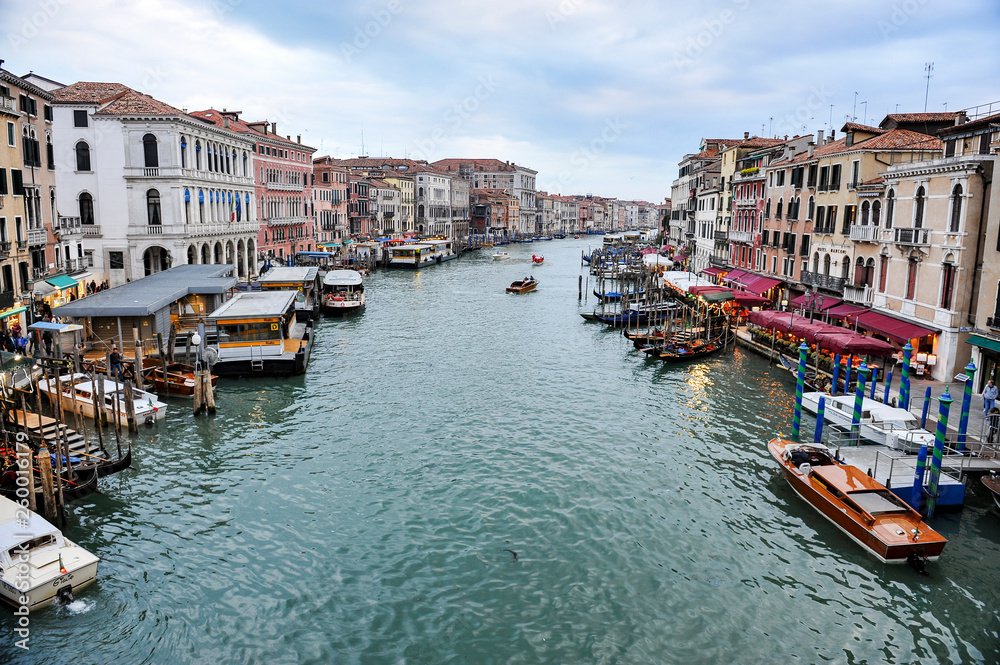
(12, 312)
(984, 343)
(895, 329)
(43, 289)
(846, 309)
(62, 282)
(734, 276)
(810, 301)
(759, 283)
(712, 270)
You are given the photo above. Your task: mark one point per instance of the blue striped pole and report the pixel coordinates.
(888, 384)
(799, 386)
(836, 373)
(927, 403)
(944, 404)
(820, 415)
(963, 424)
(918, 478)
(874, 382)
(859, 397)
(904, 379)
(847, 375)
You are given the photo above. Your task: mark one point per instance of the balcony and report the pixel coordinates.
(994, 322)
(824, 230)
(286, 186)
(221, 229)
(866, 233)
(153, 229)
(718, 261)
(828, 282)
(911, 236)
(5, 248)
(36, 237)
(745, 237)
(722, 236)
(287, 221)
(745, 203)
(861, 295)
(197, 174)
(91, 230)
(68, 226)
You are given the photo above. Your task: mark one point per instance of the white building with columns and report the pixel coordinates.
(151, 185)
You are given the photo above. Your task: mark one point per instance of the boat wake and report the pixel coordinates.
(79, 607)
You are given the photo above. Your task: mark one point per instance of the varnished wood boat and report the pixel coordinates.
(861, 507)
(992, 483)
(690, 351)
(522, 286)
(180, 377)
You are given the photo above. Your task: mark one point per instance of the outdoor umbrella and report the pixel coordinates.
(858, 345)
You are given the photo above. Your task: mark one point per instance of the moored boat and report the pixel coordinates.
(880, 423)
(523, 285)
(257, 334)
(179, 379)
(38, 564)
(304, 279)
(992, 483)
(343, 293)
(861, 507)
(79, 393)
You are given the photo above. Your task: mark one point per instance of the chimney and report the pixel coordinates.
(225, 122)
(746, 135)
(298, 138)
(819, 137)
(960, 118)
(274, 128)
(812, 146)
(832, 132)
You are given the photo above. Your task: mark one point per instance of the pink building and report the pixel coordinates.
(330, 187)
(283, 173)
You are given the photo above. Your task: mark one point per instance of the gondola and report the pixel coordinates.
(106, 468)
(615, 296)
(85, 485)
(692, 351)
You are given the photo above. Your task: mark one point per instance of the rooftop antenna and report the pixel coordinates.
(865, 103)
(363, 140)
(770, 126)
(897, 108)
(929, 67)
(854, 111)
(946, 107)
(831, 115)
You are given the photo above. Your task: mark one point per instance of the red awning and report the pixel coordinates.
(749, 300)
(712, 271)
(805, 300)
(759, 284)
(734, 276)
(895, 329)
(846, 309)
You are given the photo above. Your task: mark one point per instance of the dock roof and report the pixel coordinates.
(255, 303)
(288, 274)
(150, 294)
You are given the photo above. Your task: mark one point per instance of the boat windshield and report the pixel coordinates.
(34, 544)
(878, 502)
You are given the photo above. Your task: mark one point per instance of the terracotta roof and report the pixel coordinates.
(760, 142)
(922, 117)
(455, 164)
(88, 92)
(901, 139)
(874, 181)
(972, 124)
(131, 102)
(217, 118)
(706, 154)
(858, 127)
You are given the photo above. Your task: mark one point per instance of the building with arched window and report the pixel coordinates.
(172, 186)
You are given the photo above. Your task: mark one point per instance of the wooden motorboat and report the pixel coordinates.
(38, 564)
(522, 286)
(992, 483)
(861, 507)
(179, 378)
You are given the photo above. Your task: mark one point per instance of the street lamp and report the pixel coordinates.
(196, 340)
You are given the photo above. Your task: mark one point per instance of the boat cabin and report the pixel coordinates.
(258, 332)
(303, 279)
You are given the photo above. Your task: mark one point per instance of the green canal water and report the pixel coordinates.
(366, 512)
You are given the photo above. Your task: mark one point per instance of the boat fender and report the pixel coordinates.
(805, 468)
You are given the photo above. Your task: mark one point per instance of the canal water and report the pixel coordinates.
(370, 511)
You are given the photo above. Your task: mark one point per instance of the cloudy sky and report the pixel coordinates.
(598, 96)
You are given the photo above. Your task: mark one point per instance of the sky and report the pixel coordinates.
(598, 96)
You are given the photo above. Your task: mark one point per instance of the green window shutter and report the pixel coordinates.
(17, 184)
(3, 181)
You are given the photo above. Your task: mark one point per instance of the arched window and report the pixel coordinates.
(86, 208)
(812, 207)
(153, 207)
(870, 272)
(911, 277)
(883, 276)
(918, 207)
(201, 206)
(82, 156)
(421, 192)
(187, 206)
(816, 262)
(777, 212)
(890, 207)
(859, 272)
(947, 281)
(184, 153)
(149, 151)
(956, 209)
(767, 209)
(826, 264)
(865, 211)
(876, 212)
(197, 155)
(244, 164)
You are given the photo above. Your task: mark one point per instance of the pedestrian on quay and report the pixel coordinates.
(116, 363)
(989, 396)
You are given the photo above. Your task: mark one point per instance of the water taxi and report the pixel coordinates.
(501, 256)
(304, 279)
(343, 293)
(861, 507)
(257, 334)
(523, 285)
(79, 394)
(880, 423)
(424, 253)
(38, 564)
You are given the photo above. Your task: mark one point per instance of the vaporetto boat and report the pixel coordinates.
(424, 253)
(343, 292)
(880, 423)
(38, 564)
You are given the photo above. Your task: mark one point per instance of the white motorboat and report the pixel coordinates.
(343, 292)
(501, 256)
(38, 564)
(880, 423)
(147, 406)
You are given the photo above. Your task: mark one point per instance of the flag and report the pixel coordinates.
(232, 209)
(62, 568)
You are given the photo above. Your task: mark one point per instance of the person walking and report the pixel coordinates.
(989, 396)
(116, 363)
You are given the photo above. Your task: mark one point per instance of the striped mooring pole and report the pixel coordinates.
(859, 396)
(836, 373)
(963, 423)
(904, 379)
(944, 404)
(927, 405)
(800, 384)
(918, 478)
(888, 384)
(874, 382)
(820, 415)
